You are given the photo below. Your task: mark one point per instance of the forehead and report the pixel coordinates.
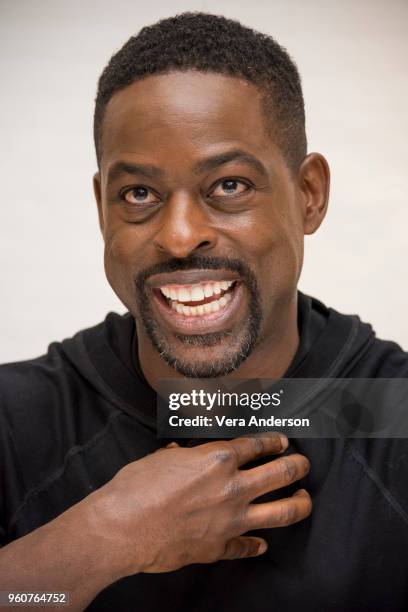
(184, 112)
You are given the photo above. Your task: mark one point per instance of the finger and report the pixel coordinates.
(249, 448)
(244, 546)
(170, 445)
(279, 513)
(274, 475)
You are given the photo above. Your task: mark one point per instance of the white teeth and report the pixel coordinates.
(197, 294)
(202, 309)
(208, 290)
(166, 291)
(183, 295)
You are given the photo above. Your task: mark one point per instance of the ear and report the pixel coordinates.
(314, 184)
(98, 197)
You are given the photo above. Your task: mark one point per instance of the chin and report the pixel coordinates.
(207, 356)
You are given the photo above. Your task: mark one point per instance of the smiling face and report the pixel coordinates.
(203, 221)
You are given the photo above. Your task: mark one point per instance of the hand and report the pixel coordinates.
(191, 505)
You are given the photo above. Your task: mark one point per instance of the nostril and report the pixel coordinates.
(204, 244)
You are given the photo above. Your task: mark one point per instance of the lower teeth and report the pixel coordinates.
(203, 308)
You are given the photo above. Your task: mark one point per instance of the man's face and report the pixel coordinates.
(202, 220)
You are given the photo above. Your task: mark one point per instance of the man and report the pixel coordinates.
(204, 192)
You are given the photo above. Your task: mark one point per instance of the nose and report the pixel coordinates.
(185, 227)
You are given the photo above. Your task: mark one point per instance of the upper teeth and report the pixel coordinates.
(195, 293)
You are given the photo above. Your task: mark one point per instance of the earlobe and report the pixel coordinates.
(98, 198)
(314, 176)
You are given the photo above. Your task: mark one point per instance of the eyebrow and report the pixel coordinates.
(205, 165)
(211, 163)
(121, 167)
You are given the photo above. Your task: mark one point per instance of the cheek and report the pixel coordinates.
(120, 259)
(288, 246)
(118, 249)
(275, 248)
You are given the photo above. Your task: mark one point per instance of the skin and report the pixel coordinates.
(197, 503)
(195, 512)
(175, 122)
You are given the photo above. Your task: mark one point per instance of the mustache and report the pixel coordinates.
(197, 262)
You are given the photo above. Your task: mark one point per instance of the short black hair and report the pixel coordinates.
(212, 43)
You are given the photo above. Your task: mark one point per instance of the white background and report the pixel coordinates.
(353, 57)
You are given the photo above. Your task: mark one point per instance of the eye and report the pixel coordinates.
(139, 195)
(229, 188)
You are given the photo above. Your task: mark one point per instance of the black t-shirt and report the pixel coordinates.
(72, 418)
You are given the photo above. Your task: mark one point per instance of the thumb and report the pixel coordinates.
(171, 445)
(244, 546)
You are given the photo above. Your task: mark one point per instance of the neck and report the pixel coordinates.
(270, 359)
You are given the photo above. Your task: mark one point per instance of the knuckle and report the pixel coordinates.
(287, 514)
(223, 454)
(235, 549)
(288, 469)
(233, 489)
(258, 445)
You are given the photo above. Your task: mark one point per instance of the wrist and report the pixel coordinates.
(114, 553)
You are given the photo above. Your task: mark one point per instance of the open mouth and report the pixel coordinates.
(197, 300)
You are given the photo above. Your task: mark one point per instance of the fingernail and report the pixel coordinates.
(284, 442)
(263, 546)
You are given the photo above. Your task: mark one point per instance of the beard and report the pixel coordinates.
(235, 347)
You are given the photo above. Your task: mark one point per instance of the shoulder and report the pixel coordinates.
(32, 392)
(365, 355)
(24, 381)
(36, 388)
(48, 406)
(383, 359)
(37, 383)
